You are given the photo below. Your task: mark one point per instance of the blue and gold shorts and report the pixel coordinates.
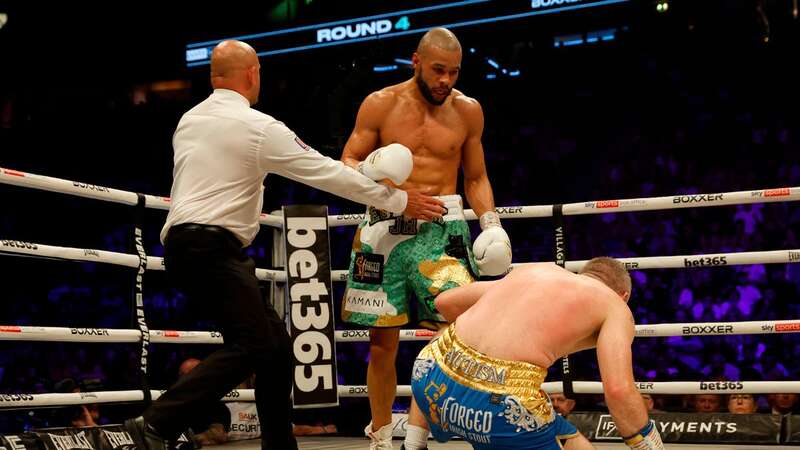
(489, 402)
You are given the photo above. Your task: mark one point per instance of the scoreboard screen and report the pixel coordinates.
(387, 25)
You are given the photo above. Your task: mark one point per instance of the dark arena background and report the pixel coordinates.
(584, 101)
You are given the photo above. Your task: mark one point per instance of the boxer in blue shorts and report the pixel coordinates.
(481, 379)
(492, 403)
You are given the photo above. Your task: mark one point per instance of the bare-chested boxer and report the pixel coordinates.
(481, 379)
(395, 258)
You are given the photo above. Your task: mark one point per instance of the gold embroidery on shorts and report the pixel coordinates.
(391, 321)
(433, 392)
(357, 240)
(446, 269)
(475, 370)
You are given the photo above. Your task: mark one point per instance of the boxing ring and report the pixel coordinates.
(142, 263)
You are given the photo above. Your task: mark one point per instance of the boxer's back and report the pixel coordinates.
(538, 313)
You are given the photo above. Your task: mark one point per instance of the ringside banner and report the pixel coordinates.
(690, 427)
(308, 276)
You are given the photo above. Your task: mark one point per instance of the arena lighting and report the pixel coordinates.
(3, 19)
(591, 38)
(662, 6)
(453, 15)
(385, 68)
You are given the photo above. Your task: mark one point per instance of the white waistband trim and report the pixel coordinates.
(454, 205)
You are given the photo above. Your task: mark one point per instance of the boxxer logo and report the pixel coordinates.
(89, 331)
(91, 187)
(20, 244)
(509, 210)
(697, 198)
(355, 333)
(707, 329)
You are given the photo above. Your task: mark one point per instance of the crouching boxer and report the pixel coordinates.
(481, 379)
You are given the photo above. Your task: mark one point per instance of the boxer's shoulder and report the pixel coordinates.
(381, 101)
(387, 95)
(462, 100)
(467, 106)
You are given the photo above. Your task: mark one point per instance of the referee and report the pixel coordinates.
(223, 151)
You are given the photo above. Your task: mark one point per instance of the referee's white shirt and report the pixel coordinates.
(223, 151)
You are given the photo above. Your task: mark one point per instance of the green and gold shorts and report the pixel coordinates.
(394, 257)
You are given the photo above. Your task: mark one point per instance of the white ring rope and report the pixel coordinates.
(580, 387)
(18, 178)
(634, 263)
(106, 257)
(705, 260)
(96, 335)
(30, 180)
(648, 387)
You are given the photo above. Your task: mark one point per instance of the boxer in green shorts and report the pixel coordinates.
(392, 257)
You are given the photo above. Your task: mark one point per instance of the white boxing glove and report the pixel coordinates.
(393, 161)
(492, 248)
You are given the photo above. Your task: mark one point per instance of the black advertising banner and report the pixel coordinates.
(690, 427)
(308, 285)
(21, 441)
(107, 437)
(69, 439)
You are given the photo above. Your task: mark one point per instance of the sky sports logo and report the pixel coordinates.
(787, 327)
(607, 204)
(781, 192)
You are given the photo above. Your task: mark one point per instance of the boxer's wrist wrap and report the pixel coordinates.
(646, 439)
(489, 219)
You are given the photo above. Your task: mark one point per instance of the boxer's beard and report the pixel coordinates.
(426, 92)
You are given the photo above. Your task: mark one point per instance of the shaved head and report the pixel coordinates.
(230, 56)
(440, 38)
(234, 66)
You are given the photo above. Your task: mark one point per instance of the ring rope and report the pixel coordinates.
(15, 401)
(105, 257)
(108, 335)
(634, 263)
(678, 201)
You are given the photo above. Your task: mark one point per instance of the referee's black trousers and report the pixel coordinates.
(210, 267)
